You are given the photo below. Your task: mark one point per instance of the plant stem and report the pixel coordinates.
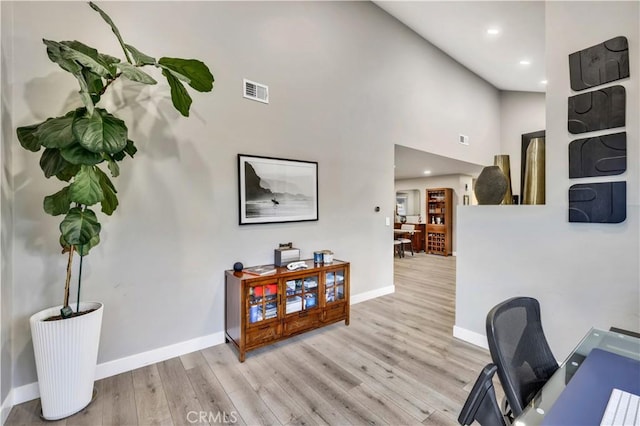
(66, 284)
(104, 89)
(79, 283)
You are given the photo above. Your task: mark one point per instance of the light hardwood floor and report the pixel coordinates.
(396, 363)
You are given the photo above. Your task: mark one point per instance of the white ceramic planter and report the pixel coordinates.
(66, 352)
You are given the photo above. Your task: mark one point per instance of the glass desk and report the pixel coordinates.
(620, 344)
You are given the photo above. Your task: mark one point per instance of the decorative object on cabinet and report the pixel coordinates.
(597, 110)
(274, 190)
(599, 64)
(598, 156)
(502, 161)
(263, 310)
(598, 202)
(491, 186)
(81, 149)
(285, 254)
(439, 221)
(533, 191)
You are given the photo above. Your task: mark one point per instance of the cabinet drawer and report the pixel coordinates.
(302, 321)
(335, 312)
(266, 333)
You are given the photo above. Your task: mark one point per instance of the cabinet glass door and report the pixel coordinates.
(302, 294)
(334, 286)
(263, 301)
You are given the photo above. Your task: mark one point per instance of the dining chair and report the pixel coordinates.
(397, 248)
(403, 240)
(520, 350)
(481, 404)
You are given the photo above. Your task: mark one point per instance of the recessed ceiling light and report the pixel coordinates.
(427, 172)
(525, 62)
(493, 31)
(543, 82)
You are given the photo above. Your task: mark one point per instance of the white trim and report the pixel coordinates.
(6, 407)
(470, 337)
(111, 368)
(368, 295)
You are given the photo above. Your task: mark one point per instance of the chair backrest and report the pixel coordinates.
(408, 227)
(519, 348)
(481, 404)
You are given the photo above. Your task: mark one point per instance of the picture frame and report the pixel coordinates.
(276, 190)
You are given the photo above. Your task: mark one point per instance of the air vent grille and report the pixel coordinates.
(256, 91)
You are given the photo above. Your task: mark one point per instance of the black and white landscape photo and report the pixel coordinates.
(277, 190)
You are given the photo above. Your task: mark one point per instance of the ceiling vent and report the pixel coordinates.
(256, 91)
(463, 139)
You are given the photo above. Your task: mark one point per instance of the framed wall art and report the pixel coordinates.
(275, 190)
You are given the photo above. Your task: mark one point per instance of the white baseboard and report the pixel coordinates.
(6, 407)
(111, 368)
(470, 337)
(368, 295)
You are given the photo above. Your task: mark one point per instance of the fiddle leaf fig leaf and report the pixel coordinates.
(57, 203)
(140, 58)
(94, 84)
(115, 30)
(130, 149)
(113, 168)
(87, 57)
(135, 74)
(52, 163)
(85, 188)
(83, 249)
(79, 226)
(100, 132)
(69, 171)
(179, 96)
(198, 74)
(76, 154)
(27, 137)
(55, 53)
(56, 133)
(110, 202)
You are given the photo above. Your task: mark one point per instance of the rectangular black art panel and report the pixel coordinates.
(598, 156)
(600, 64)
(597, 110)
(598, 202)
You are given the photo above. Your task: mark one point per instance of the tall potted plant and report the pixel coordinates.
(81, 149)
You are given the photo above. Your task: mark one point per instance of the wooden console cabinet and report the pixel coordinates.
(439, 221)
(260, 310)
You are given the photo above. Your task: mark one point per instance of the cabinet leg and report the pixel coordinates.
(241, 356)
(226, 339)
(346, 321)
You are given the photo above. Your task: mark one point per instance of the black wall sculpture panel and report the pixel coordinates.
(597, 110)
(598, 202)
(598, 156)
(600, 64)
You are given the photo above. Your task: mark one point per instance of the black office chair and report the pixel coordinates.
(481, 404)
(520, 350)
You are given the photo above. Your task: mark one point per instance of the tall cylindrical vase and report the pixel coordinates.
(534, 173)
(66, 352)
(502, 161)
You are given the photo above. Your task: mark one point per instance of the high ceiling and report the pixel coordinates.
(459, 28)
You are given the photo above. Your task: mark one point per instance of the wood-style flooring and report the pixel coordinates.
(396, 363)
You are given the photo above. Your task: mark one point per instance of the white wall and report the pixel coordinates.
(6, 215)
(346, 82)
(520, 112)
(583, 274)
